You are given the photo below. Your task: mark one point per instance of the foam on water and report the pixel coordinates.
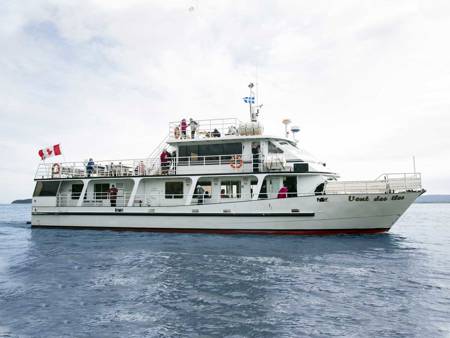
(71, 283)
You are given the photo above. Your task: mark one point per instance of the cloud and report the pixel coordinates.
(367, 82)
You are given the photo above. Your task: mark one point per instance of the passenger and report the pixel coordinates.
(90, 167)
(283, 192)
(200, 194)
(183, 127)
(113, 195)
(215, 133)
(223, 194)
(194, 126)
(111, 169)
(165, 163)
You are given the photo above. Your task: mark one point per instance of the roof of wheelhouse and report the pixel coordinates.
(227, 139)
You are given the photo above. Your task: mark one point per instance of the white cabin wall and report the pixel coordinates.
(307, 184)
(274, 183)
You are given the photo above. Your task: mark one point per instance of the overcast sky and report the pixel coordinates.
(368, 82)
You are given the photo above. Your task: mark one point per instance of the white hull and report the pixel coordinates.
(300, 215)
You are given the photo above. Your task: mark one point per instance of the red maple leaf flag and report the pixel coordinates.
(50, 151)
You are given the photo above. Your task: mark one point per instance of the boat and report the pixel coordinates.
(219, 176)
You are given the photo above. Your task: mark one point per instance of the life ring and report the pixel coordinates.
(56, 168)
(236, 162)
(176, 132)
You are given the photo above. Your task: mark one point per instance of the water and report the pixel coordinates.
(66, 283)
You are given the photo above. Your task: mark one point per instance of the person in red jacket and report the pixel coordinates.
(113, 195)
(283, 192)
(165, 162)
(183, 127)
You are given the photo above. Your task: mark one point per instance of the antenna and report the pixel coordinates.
(414, 164)
(286, 123)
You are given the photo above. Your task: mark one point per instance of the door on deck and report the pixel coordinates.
(291, 183)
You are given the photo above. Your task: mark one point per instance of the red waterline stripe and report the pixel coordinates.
(316, 232)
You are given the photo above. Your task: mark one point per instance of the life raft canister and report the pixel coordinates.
(236, 162)
(56, 169)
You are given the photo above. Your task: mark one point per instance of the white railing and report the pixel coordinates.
(205, 128)
(157, 199)
(385, 183)
(153, 166)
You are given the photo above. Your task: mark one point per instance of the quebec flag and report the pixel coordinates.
(249, 99)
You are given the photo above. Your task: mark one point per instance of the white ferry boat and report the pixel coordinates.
(222, 176)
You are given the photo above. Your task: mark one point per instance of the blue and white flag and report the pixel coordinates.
(249, 99)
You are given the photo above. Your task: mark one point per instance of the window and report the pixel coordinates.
(46, 188)
(211, 149)
(273, 149)
(203, 190)
(174, 190)
(77, 188)
(101, 191)
(230, 189)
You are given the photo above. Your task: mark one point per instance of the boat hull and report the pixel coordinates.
(313, 215)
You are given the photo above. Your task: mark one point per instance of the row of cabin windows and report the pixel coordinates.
(173, 190)
(228, 189)
(47, 189)
(209, 149)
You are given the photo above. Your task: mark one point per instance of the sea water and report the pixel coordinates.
(84, 283)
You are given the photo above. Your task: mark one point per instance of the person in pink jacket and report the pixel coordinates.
(183, 127)
(283, 192)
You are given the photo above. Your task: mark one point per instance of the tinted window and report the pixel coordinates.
(211, 149)
(101, 191)
(46, 188)
(76, 190)
(174, 190)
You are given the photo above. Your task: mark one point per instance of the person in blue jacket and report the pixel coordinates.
(90, 167)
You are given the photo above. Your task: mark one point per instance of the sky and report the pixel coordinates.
(367, 82)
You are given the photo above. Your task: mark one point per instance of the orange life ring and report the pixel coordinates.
(236, 162)
(56, 168)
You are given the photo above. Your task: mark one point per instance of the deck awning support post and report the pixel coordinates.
(83, 192)
(134, 191)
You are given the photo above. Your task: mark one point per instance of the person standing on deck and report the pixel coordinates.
(90, 167)
(183, 127)
(283, 192)
(165, 162)
(194, 126)
(113, 195)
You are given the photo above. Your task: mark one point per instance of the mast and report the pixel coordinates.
(254, 107)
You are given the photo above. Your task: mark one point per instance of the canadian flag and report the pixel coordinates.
(50, 151)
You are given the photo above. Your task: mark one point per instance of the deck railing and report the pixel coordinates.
(122, 199)
(153, 166)
(205, 128)
(385, 183)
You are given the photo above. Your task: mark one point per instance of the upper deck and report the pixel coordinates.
(216, 146)
(212, 130)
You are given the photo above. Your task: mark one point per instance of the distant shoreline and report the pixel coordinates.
(23, 201)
